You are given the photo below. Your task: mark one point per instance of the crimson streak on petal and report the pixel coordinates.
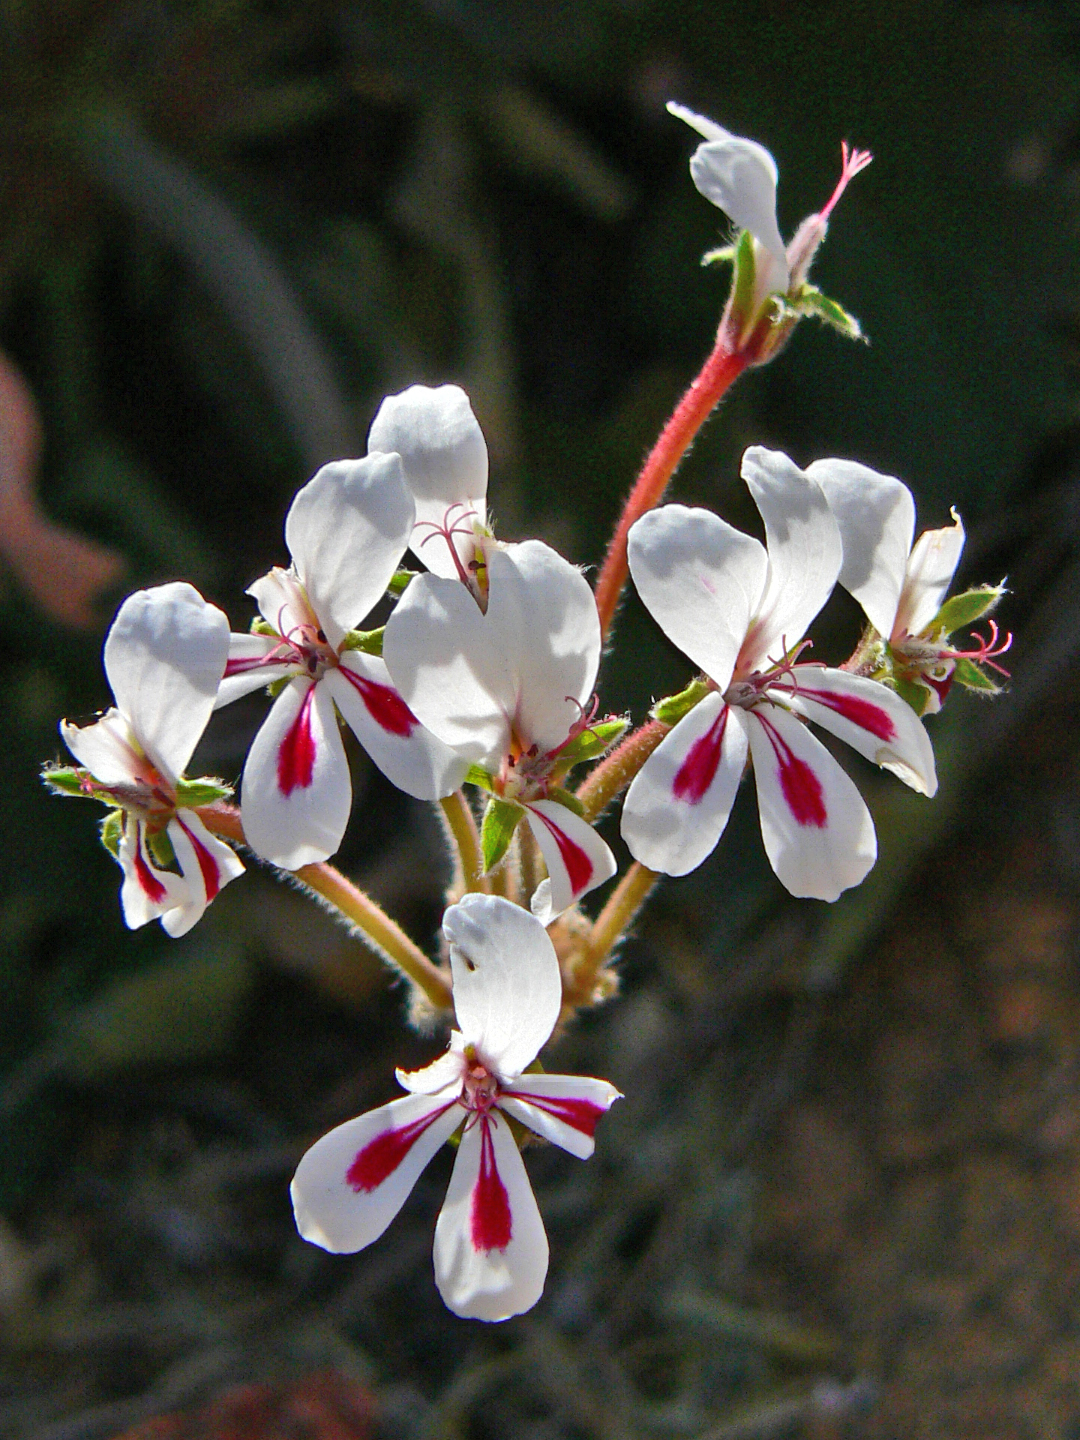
(860, 712)
(491, 1225)
(578, 1114)
(211, 875)
(384, 704)
(578, 865)
(801, 787)
(152, 887)
(698, 771)
(296, 758)
(381, 1157)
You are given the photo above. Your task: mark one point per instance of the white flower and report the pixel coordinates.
(346, 531)
(445, 462)
(491, 1253)
(507, 688)
(164, 656)
(739, 611)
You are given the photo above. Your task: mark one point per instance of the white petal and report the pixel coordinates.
(346, 531)
(705, 127)
(507, 982)
(445, 461)
(805, 553)
(165, 656)
(818, 833)
(296, 791)
(929, 574)
(679, 803)
(282, 602)
(542, 616)
(206, 863)
(107, 748)
(876, 516)
(562, 1108)
(351, 1183)
(577, 858)
(701, 579)
(439, 655)
(491, 1252)
(866, 715)
(739, 176)
(410, 756)
(441, 1074)
(252, 665)
(146, 892)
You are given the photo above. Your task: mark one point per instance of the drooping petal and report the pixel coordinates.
(254, 662)
(491, 1252)
(563, 1108)
(437, 650)
(346, 531)
(446, 1071)
(283, 603)
(679, 803)
(876, 516)
(739, 177)
(701, 580)
(445, 460)
(165, 656)
(107, 748)
(805, 553)
(409, 755)
(542, 616)
(818, 833)
(577, 858)
(146, 892)
(296, 792)
(207, 865)
(929, 574)
(507, 983)
(866, 715)
(351, 1183)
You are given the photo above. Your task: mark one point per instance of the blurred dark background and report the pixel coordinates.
(843, 1194)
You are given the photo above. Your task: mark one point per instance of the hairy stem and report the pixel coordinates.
(358, 910)
(719, 372)
(580, 988)
(616, 770)
(461, 823)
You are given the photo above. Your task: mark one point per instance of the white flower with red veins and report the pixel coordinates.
(902, 587)
(445, 461)
(164, 657)
(491, 1252)
(739, 611)
(509, 688)
(346, 531)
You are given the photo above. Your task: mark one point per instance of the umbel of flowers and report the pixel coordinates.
(479, 695)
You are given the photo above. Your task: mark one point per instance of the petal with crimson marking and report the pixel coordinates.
(577, 859)
(866, 715)
(351, 1183)
(680, 800)
(206, 863)
(146, 892)
(562, 1108)
(296, 792)
(818, 833)
(491, 1252)
(251, 666)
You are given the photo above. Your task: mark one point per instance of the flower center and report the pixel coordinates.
(481, 1088)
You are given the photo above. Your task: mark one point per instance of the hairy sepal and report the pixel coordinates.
(66, 780)
(592, 743)
(912, 693)
(960, 611)
(501, 819)
(672, 708)
(112, 828)
(477, 775)
(809, 300)
(400, 582)
(190, 794)
(369, 641)
(974, 677)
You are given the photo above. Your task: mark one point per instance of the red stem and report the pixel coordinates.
(721, 370)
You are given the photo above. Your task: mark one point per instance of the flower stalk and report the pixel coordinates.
(615, 772)
(582, 985)
(461, 824)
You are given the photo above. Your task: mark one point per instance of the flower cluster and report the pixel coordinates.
(484, 676)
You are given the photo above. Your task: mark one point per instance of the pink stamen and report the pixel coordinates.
(490, 1221)
(986, 650)
(580, 725)
(447, 530)
(853, 161)
(381, 1157)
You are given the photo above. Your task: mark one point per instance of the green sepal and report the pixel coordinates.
(65, 780)
(190, 794)
(477, 775)
(960, 611)
(275, 687)
(565, 797)
(673, 707)
(399, 581)
(112, 828)
(723, 255)
(974, 677)
(369, 641)
(497, 830)
(161, 848)
(259, 626)
(808, 300)
(744, 277)
(591, 742)
(913, 694)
